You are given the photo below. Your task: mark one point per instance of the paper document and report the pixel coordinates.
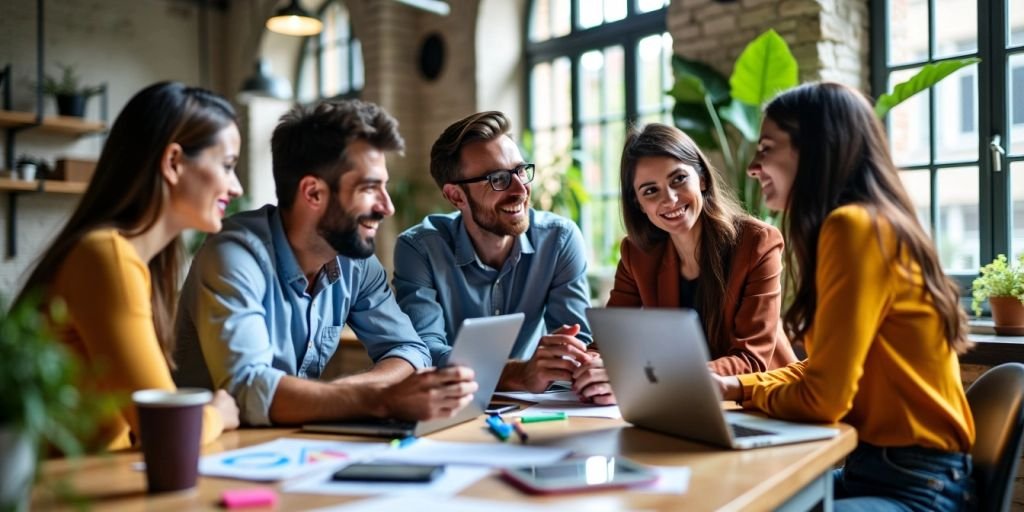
(435, 504)
(284, 458)
(671, 480)
(451, 482)
(571, 409)
(427, 451)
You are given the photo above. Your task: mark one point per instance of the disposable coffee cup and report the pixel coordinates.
(171, 426)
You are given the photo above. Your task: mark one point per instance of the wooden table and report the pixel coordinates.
(787, 477)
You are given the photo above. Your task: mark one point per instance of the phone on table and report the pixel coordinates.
(371, 472)
(574, 475)
(500, 408)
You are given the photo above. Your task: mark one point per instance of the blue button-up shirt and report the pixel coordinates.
(440, 280)
(245, 318)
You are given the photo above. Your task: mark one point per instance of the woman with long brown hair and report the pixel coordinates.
(881, 323)
(690, 245)
(168, 165)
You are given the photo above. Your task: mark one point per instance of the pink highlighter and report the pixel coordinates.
(244, 498)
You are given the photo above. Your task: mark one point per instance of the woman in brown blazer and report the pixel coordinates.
(689, 244)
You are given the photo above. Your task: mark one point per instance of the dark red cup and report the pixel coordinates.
(171, 427)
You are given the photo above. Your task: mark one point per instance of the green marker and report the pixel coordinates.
(555, 416)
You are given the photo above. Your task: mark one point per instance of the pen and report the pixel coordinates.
(520, 431)
(402, 443)
(554, 416)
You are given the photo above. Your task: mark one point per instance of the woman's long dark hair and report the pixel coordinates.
(843, 159)
(720, 219)
(127, 190)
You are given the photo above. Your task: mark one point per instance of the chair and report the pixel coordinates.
(996, 400)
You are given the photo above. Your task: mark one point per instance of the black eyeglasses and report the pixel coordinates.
(502, 178)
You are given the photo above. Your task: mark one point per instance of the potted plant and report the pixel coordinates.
(1002, 284)
(41, 406)
(69, 92)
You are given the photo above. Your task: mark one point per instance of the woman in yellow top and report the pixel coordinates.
(168, 165)
(881, 323)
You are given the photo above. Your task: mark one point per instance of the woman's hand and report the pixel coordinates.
(228, 409)
(729, 387)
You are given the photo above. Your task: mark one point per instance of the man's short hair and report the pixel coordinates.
(314, 140)
(447, 150)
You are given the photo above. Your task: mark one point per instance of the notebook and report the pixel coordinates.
(483, 344)
(656, 363)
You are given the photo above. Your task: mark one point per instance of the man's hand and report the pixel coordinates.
(590, 381)
(729, 387)
(558, 355)
(430, 394)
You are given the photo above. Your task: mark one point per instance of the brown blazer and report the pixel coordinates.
(752, 300)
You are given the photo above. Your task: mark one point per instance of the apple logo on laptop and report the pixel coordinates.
(649, 372)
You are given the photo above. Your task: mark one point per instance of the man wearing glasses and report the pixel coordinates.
(495, 255)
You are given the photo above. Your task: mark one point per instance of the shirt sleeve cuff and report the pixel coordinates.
(747, 382)
(416, 358)
(256, 395)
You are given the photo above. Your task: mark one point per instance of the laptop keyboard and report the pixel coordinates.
(741, 431)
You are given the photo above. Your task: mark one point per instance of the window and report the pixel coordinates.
(594, 67)
(331, 64)
(941, 138)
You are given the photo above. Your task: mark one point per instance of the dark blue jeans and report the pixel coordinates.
(904, 479)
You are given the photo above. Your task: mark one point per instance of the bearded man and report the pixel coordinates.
(265, 300)
(493, 256)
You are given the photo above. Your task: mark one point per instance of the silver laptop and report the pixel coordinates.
(483, 344)
(656, 362)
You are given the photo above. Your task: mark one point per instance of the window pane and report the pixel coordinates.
(591, 85)
(654, 75)
(550, 18)
(590, 13)
(358, 76)
(909, 125)
(908, 36)
(614, 83)
(956, 115)
(956, 27)
(959, 231)
(650, 5)
(540, 96)
(1015, 102)
(307, 90)
(614, 10)
(1017, 208)
(1015, 19)
(918, 185)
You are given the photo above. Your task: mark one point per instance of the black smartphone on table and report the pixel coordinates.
(372, 472)
(500, 407)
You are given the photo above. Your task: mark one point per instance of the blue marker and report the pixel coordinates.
(402, 443)
(499, 428)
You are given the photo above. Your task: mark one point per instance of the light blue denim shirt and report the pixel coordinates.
(440, 280)
(245, 318)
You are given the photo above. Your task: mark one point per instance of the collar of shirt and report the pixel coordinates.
(286, 264)
(465, 253)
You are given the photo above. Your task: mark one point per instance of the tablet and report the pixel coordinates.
(575, 475)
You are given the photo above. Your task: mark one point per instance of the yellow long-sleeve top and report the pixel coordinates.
(110, 325)
(877, 357)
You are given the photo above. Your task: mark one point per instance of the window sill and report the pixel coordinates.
(991, 349)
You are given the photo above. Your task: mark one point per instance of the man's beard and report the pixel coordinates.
(341, 231)
(488, 219)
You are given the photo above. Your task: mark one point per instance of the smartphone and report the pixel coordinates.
(370, 472)
(500, 408)
(575, 475)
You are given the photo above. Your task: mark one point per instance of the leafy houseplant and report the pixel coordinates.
(708, 104)
(1002, 284)
(41, 405)
(69, 92)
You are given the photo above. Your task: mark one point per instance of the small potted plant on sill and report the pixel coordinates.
(69, 92)
(1002, 284)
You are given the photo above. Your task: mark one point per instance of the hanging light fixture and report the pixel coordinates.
(262, 83)
(292, 20)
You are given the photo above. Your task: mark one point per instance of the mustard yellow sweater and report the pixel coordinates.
(110, 325)
(877, 357)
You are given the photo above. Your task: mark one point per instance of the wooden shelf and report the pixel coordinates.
(54, 186)
(53, 124)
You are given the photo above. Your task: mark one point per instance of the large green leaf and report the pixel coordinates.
(688, 89)
(929, 75)
(714, 83)
(744, 117)
(695, 120)
(765, 68)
